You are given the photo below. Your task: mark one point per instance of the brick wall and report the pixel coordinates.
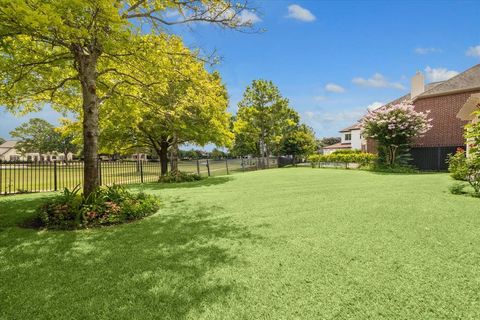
(447, 129)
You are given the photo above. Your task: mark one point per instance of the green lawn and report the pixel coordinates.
(276, 244)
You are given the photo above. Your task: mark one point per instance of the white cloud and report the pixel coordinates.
(374, 105)
(299, 13)
(439, 74)
(332, 120)
(377, 81)
(421, 50)
(248, 17)
(473, 51)
(218, 12)
(332, 87)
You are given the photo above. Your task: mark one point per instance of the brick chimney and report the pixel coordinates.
(418, 85)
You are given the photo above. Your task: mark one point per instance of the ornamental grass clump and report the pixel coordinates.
(105, 206)
(393, 127)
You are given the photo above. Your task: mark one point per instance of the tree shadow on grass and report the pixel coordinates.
(167, 266)
(206, 182)
(387, 173)
(18, 210)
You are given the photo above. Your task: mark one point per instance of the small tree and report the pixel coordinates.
(217, 154)
(38, 135)
(263, 118)
(328, 141)
(299, 142)
(393, 127)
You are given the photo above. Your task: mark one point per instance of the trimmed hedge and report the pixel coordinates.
(361, 158)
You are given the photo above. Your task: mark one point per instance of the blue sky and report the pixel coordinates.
(332, 59)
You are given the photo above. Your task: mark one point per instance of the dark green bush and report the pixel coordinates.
(179, 176)
(396, 168)
(105, 206)
(457, 188)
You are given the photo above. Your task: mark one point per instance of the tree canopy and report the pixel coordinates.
(299, 142)
(38, 135)
(192, 108)
(75, 55)
(264, 117)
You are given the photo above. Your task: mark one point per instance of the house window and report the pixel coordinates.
(348, 136)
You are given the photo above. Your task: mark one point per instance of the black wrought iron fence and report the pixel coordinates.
(23, 177)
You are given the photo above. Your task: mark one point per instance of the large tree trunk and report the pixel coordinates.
(174, 156)
(86, 60)
(261, 145)
(161, 148)
(164, 157)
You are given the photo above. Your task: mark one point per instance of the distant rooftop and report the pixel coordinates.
(8, 144)
(352, 127)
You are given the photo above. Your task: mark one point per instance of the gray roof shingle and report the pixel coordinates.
(465, 81)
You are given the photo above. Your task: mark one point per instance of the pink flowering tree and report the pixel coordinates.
(393, 127)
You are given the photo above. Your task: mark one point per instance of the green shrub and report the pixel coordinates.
(457, 188)
(347, 151)
(179, 176)
(104, 206)
(457, 165)
(395, 168)
(473, 173)
(362, 158)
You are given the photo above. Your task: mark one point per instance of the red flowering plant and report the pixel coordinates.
(393, 127)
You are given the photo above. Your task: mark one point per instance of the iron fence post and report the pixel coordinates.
(55, 176)
(141, 171)
(99, 165)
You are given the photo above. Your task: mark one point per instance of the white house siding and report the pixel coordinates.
(355, 138)
(9, 153)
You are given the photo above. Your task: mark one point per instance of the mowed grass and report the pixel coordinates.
(294, 243)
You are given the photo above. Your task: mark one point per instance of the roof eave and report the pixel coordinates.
(432, 95)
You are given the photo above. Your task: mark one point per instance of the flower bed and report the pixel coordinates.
(105, 206)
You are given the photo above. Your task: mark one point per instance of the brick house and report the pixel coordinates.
(444, 99)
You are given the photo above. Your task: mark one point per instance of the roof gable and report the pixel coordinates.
(465, 81)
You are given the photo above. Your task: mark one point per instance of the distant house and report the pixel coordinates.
(351, 139)
(8, 152)
(445, 100)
